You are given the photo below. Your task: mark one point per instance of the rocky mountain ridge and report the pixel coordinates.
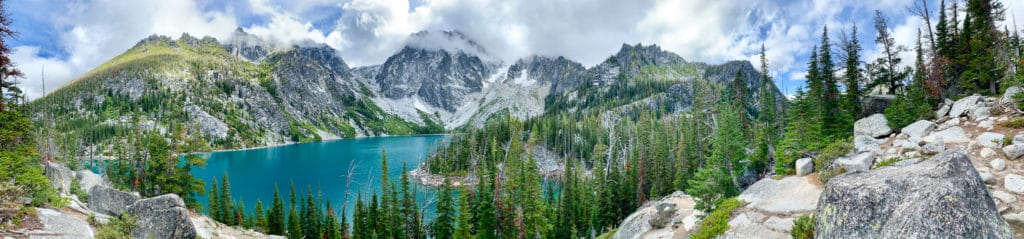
(243, 92)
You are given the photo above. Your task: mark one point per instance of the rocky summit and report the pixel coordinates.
(243, 92)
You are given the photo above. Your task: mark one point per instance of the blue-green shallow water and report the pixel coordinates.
(254, 172)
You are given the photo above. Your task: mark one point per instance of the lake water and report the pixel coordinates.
(324, 165)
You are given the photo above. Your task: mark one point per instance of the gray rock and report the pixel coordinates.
(943, 110)
(786, 196)
(1004, 197)
(981, 113)
(1014, 151)
(875, 126)
(876, 104)
(864, 143)
(163, 216)
(779, 224)
(919, 129)
(1018, 139)
(1014, 183)
(964, 106)
(748, 225)
(934, 147)
(990, 140)
(859, 162)
(1007, 99)
(87, 179)
(998, 164)
(987, 124)
(60, 176)
(953, 134)
(57, 225)
(804, 166)
(987, 153)
(987, 177)
(110, 201)
(942, 197)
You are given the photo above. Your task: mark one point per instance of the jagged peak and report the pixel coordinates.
(450, 41)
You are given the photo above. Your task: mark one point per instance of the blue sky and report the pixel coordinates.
(72, 37)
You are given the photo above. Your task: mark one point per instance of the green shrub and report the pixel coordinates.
(889, 162)
(1014, 123)
(118, 227)
(832, 151)
(717, 222)
(76, 189)
(607, 235)
(904, 111)
(803, 227)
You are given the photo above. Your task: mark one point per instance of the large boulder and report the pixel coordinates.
(109, 201)
(942, 197)
(990, 140)
(964, 106)
(864, 143)
(953, 134)
(60, 176)
(875, 126)
(919, 129)
(1014, 151)
(1014, 183)
(1007, 99)
(163, 216)
(87, 179)
(876, 104)
(981, 113)
(943, 109)
(671, 217)
(859, 162)
(804, 166)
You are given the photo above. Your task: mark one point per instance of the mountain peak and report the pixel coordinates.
(247, 46)
(450, 41)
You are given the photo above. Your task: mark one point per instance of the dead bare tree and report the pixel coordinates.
(921, 10)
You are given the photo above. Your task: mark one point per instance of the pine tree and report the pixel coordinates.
(275, 218)
(739, 101)
(831, 114)
(227, 207)
(852, 78)
(443, 227)
(259, 216)
(887, 69)
(294, 223)
(464, 222)
(486, 223)
(942, 34)
(717, 180)
(981, 39)
(309, 219)
(409, 210)
(214, 201)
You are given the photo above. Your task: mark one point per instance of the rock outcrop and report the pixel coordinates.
(942, 197)
(163, 216)
(110, 201)
(57, 225)
(875, 126)
(772, 206)
(60, 176)
(671, 217)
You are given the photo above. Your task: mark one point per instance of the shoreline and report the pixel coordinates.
(322, 141)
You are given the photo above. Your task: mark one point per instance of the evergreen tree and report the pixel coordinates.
(464, 221)
(227, 207)
(444, 224)
(886, 70)
(486, 222)
(852, 78)
(409, 210)
(259, 217)
(294, 223)
(717, 180)
(275, 218)
(214, 201)
(981, 39)
(831, 114)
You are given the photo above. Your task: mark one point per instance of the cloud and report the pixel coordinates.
(366, 32)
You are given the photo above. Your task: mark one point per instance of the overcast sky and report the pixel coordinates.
(72, 37)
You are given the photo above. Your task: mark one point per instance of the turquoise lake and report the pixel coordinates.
(324, 165)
